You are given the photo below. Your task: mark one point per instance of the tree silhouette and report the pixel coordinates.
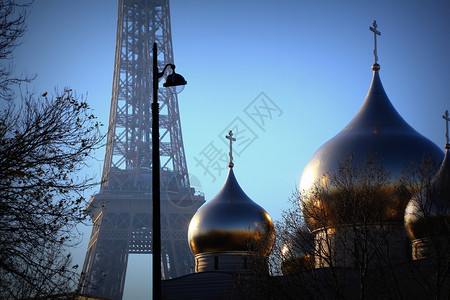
(45, 141)
(339, 240)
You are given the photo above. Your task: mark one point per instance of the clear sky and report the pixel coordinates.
(311, 59)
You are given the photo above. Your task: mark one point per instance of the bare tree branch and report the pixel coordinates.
(43, 146)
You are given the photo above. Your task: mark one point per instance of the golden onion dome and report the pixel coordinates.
(377, 132)
(297, 254)
(231, 222)
(428, 212)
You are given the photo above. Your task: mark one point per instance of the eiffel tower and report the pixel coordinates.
(122, 211)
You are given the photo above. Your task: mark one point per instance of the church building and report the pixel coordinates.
(374, 206)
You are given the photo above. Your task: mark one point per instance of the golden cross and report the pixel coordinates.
(232, 139)
(375, 32)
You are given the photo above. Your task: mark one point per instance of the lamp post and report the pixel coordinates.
(173, 79)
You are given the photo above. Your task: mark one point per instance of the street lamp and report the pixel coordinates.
(173, 81)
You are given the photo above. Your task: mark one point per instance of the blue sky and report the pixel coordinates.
(311, 59)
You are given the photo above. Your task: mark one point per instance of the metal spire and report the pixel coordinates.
(232, 139)
(375, 32)
(446, 118)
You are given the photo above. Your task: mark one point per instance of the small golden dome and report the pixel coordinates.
(377, 132)
(297, 254)
(231, 222)
(428, 212)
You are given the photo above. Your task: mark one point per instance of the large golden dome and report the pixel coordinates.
(231, 222)
(377, 132)
(428, 212)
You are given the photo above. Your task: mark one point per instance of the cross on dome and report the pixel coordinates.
(446, 118)
(375, 33)
(232, 139)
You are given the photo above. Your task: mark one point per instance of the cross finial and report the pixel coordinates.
(375, 33)
(447, 118)
(232, 139)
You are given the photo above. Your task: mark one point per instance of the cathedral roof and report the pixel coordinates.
(428, 212)
(231, 222)
(377, 132)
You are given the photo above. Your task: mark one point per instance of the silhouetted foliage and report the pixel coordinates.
(12, 28)
(43, 145)
(340, 239)
(427, 221)
(45, 141)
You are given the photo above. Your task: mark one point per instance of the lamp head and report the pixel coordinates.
(175, 81)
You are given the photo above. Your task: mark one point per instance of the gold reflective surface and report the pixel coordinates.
(297, 254)
(231, 222)
(355, 205)
(377, 132)
(297, 264)
(428, 212)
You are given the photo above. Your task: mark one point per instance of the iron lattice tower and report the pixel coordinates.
(122, 211)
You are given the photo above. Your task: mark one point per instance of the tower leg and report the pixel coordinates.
(105, 265)
(122, 210)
